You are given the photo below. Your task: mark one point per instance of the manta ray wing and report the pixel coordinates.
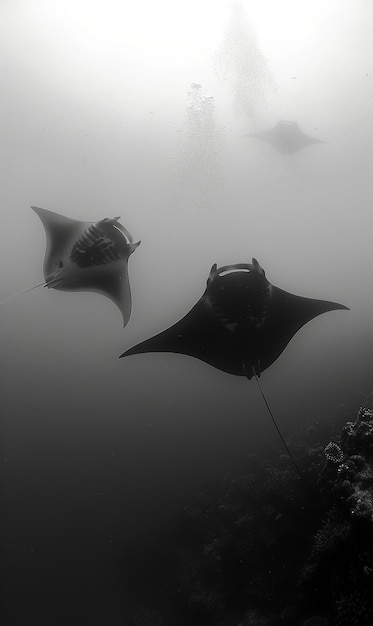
(286, 315)
(113, 283)
(200, 335)
(61, 232)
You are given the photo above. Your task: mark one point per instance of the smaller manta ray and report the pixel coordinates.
(286, 137)
(88, 256)
(241, 324)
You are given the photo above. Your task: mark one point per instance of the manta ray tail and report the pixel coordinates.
(295, 465)
(22, 292)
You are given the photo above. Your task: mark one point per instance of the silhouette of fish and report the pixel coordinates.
(286, 137)
(241, 324)
(87, 256)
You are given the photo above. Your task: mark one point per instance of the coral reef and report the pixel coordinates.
(259, 549)
(333, 452)
(339, 571)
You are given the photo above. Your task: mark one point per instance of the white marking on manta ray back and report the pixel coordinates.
(232, 271)
(122, 233)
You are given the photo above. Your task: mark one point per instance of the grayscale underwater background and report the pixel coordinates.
(140, 110)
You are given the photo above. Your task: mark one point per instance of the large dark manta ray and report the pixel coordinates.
(241, 324)
(87, 256)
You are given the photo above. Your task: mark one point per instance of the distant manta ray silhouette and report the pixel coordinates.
(240, 325)
(87, 256)
(286, 137)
